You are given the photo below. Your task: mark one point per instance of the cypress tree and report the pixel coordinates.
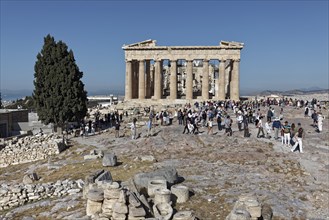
(0, 101)
(59, 94)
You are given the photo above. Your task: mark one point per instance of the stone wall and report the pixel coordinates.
(19, 194)
(30, 148)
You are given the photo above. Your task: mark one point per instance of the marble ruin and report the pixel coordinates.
(182, 72)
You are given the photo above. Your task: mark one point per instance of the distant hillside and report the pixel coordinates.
(293, 92)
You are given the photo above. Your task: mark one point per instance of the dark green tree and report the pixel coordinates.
(0, 101)
(59, 94)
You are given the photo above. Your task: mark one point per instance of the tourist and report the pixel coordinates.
(299, 139)
(86, 130)
(133, 129)
(210, 125)
(195, 126)
(268, 129)
(269, 115)
(320, 121)
(306, 111)
(180, 117)
(228, 124)
(164, 118)
(239, 120)
(190, 127)
(259, 125)
(117, 128)
(186, 127)
(149, 127)
(315, 118)
(281, 114)
(219, 121)
(286, 133)
(276, 126)
(245, 126)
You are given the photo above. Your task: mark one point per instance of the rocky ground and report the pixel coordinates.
(216, 168)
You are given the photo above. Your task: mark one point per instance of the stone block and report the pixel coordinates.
(93, 207)
(73, 191)
(162, 196)
(110, 193)
(96, 195)
(90, 157)
(255, 211)
(180, 193)
(163, 211)
(238, 214)
(168, 173)
(109, 160)
(133, 200)
(27, 179)
(105, 176)
(136, 212)
(184, 215)
(118, 216)
(108, 203)
(155, 184)
(120, 208)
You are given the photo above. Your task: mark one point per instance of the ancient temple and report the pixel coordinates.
(182, 72)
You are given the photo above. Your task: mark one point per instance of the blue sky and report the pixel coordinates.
(286, 42)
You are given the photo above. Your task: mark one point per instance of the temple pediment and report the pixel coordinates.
(146, 43)
(230, 44)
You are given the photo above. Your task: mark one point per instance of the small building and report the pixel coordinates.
(10, 120)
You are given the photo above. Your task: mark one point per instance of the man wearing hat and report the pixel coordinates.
(299, 137)
(276, 126)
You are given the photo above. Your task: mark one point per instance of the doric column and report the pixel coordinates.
(235, 92)
(205, 80)
(221, 81)
(129, 77)
(147, 79)
(189, 80)
(173, 79)
(157, 80)
(135, 79)
(141, 80)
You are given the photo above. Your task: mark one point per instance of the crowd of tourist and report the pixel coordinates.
(208, 116)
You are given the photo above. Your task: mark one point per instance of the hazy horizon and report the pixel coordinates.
(7, 94)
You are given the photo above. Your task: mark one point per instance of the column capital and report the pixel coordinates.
(222, 60)
(128, 60)
(141, 61)
(236, 60)
(189, 61)
(206, 60)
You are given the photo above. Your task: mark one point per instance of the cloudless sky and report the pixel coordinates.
(286, 42)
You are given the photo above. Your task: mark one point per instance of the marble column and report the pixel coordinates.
(235, 90)
(173, 79)
(189, 80)
(135, 79)
(141, 80)
(221, 81)
(205, 80)
(148, 79)
(157, 80)
(128, 80)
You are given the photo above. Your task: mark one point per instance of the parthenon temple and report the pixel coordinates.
(182, 72)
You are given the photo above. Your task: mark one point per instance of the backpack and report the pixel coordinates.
(256, 122)
(286, 129)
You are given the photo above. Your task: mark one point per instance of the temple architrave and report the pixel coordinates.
(182, 72)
